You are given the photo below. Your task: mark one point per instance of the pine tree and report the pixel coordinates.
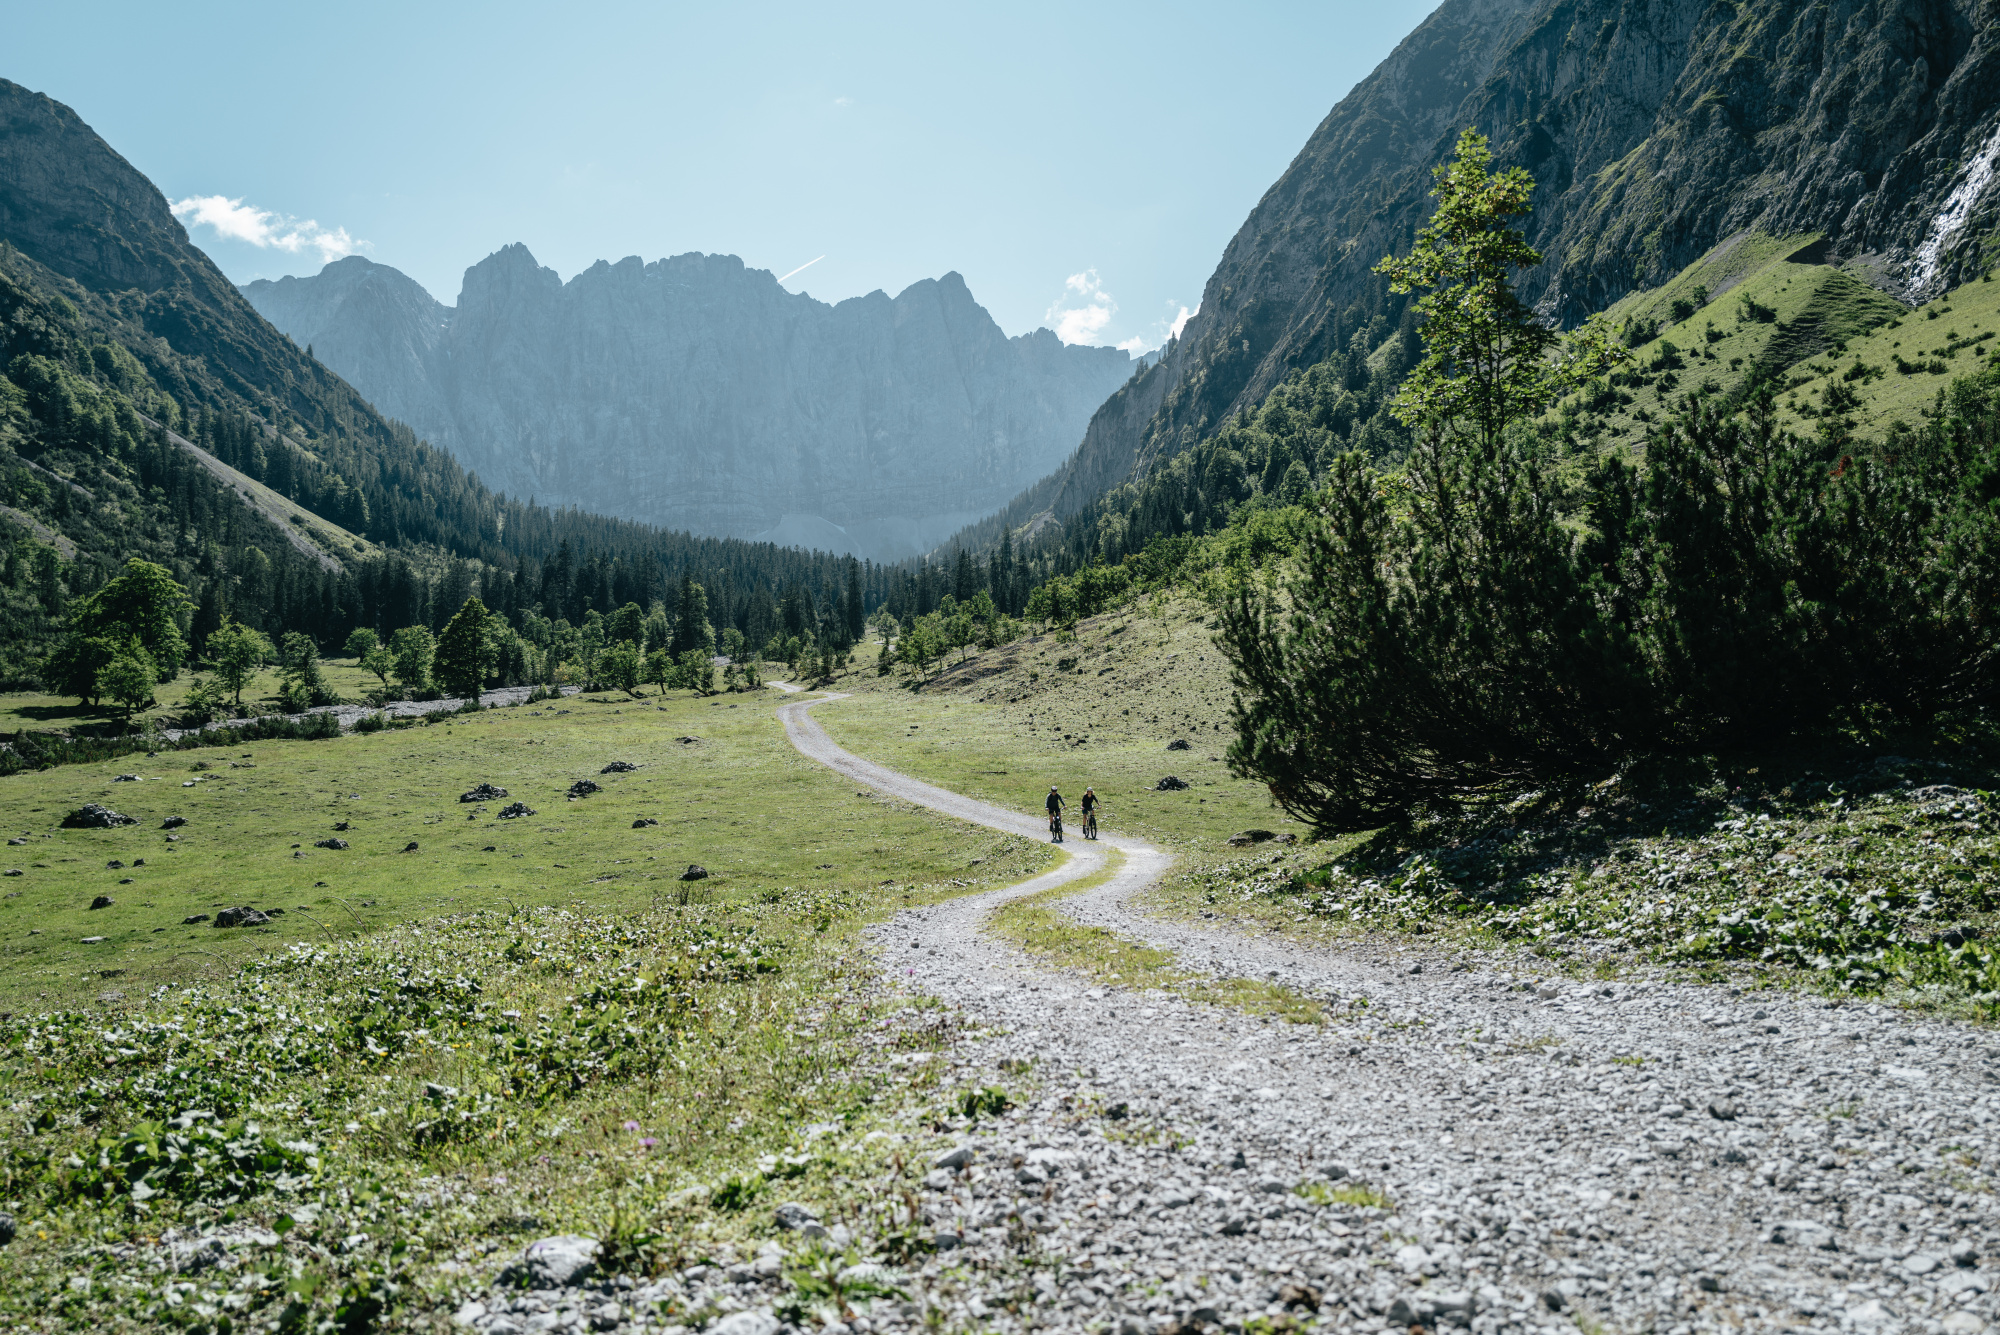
(465, 652)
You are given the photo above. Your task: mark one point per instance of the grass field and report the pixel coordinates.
(254, 818)
(515, 1027)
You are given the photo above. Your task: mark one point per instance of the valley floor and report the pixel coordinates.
(1453, 1146)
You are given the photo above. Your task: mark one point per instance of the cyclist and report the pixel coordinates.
(1089, 801)
(1055, 806)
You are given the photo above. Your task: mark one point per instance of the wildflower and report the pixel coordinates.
(647, 1142)
(631, 1126)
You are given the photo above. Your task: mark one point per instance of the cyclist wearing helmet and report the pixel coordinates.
(1055, 806)
(1089, 802)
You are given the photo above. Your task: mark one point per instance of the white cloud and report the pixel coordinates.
(843, 101)
(233, 220)
(1180, 321)
(1083, 310)
(1134, 345)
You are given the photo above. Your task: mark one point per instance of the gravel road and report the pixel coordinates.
(1461, 1145)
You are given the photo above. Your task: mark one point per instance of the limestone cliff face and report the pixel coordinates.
(1656, 129)
(695, 393)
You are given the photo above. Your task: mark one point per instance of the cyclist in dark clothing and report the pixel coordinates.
(1089, 803)
(1055, 806)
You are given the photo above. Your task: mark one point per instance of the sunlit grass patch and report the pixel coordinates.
(1108, 958)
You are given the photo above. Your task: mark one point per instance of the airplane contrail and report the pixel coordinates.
(803, 267)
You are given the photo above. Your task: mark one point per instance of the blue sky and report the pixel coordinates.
(1082, 165)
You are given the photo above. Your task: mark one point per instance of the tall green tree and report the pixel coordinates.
(414, 648)
(238, 653)
(143, 602)
(465, 651)
(1487, 361)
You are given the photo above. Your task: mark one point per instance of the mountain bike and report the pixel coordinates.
(1090, 823)
(1055, 827)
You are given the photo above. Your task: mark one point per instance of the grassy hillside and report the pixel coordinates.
(1840, 353)
(1098, 711)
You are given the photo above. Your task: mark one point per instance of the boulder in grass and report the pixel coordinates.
(485, 792)
(516, 810)
(91, 816)
(335, 844)
(583, 788)
(102, 902)
(618, 767)
(643, 822)
(1179, 744)
(242, 916)
(695, 872)
(1170, 784)
(173, 822)
(1245, 838)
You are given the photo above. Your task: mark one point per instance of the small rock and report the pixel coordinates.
(687, 741)
(173, 822)
(516, 810)
(91, 816)
(1245, 838)
(15, 871)
(1273, 1186)
(643, 822)
(1965, 1253)
(1412, 1258)
(583, 788)
(792, 1215)
(1335, 1172)
(757, 1321)
(6, 1228)
(341, 826)
(93, 940)
(945, 1241)
(558, 1262)
(1553, 1299)
(194, 918)
(1169, 784)
(695, 872)
(953, 1160)
(1028, 1175)
(1179, 744)
(1723, 1110)
(1803, 1233)
(240, 917)
(114, 865)
(127, 778)
(1922, 1263)
(468, 1312)
(1234, 1227)
(618, 767)
(331, 843)
(1402, 1312)
(102, 902)
(485, 792)
(1299, 1296)
(1962, 1323)
(410, 847)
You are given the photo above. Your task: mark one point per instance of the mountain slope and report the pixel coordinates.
(696, 393)
(147, 410)
(1656, 131)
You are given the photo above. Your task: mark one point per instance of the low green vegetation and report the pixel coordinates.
(454, 1029)
(1105, 957)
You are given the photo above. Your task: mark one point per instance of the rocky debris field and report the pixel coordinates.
(349, 715)
(1458, 1146)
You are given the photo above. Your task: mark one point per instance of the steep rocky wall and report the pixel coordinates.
(1655, 130)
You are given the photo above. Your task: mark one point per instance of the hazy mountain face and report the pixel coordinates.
(696, 393)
